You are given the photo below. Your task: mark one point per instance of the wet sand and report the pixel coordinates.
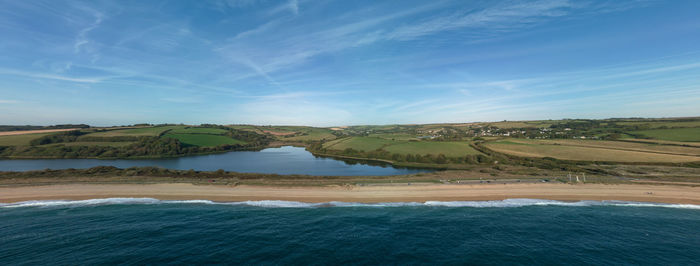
(378, 193)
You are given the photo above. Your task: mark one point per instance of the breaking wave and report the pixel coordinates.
(507, 203)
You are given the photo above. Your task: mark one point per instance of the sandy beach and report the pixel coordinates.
(380, 193)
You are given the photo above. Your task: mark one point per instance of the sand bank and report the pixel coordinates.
(404, 193)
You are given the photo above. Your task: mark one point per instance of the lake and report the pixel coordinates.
(284, 160)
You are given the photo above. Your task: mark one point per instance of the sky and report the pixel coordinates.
(332, 63)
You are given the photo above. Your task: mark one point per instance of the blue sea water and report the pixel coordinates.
(515, 231)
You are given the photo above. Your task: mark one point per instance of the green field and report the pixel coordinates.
(20, 140)
(101, 143)
(311, 134)
(203, 140)
(621, 145)
(672, 134)
(291, 133)
(519, 124)
(658, 124)
(449, 149)
(609, 151)
(358, 143)
(146, 131)
(198, 130)
(395, 136)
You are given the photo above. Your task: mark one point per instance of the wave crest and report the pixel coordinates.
(507, 203)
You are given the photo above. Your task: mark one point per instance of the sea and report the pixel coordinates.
(146, 231)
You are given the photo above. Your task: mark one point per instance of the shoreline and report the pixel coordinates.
(362, 194)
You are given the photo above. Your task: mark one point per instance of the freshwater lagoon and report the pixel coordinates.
(284, 160)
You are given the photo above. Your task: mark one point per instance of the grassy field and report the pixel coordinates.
(20, 140)
(104, 143)
(311, 134)
(203, 140)
(358, 143)
(667, 142)
(612, 152)
(291, 133)
(146, 131)
(621, 145)
(672, 134)
(395, 136)
(674, 124)
(198, 130)
(449, 149)
(519, 124)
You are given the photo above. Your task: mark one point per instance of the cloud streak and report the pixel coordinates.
(349, 62)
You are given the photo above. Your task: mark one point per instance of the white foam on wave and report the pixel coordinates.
(89, 202)
(507, 203)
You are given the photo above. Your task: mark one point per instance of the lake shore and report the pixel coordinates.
(367, 194)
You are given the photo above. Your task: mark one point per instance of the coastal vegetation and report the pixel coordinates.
(142, 142)
(567, 145)
(478, 174)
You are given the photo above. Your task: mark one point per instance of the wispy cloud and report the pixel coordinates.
(500, 18)
(291, 6)
(300, 45)
(348, 62)
(52, 76)
(82, 38)
(9, 101)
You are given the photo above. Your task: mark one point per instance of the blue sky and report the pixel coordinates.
(338, 62)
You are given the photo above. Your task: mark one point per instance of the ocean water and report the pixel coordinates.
(515, 231)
